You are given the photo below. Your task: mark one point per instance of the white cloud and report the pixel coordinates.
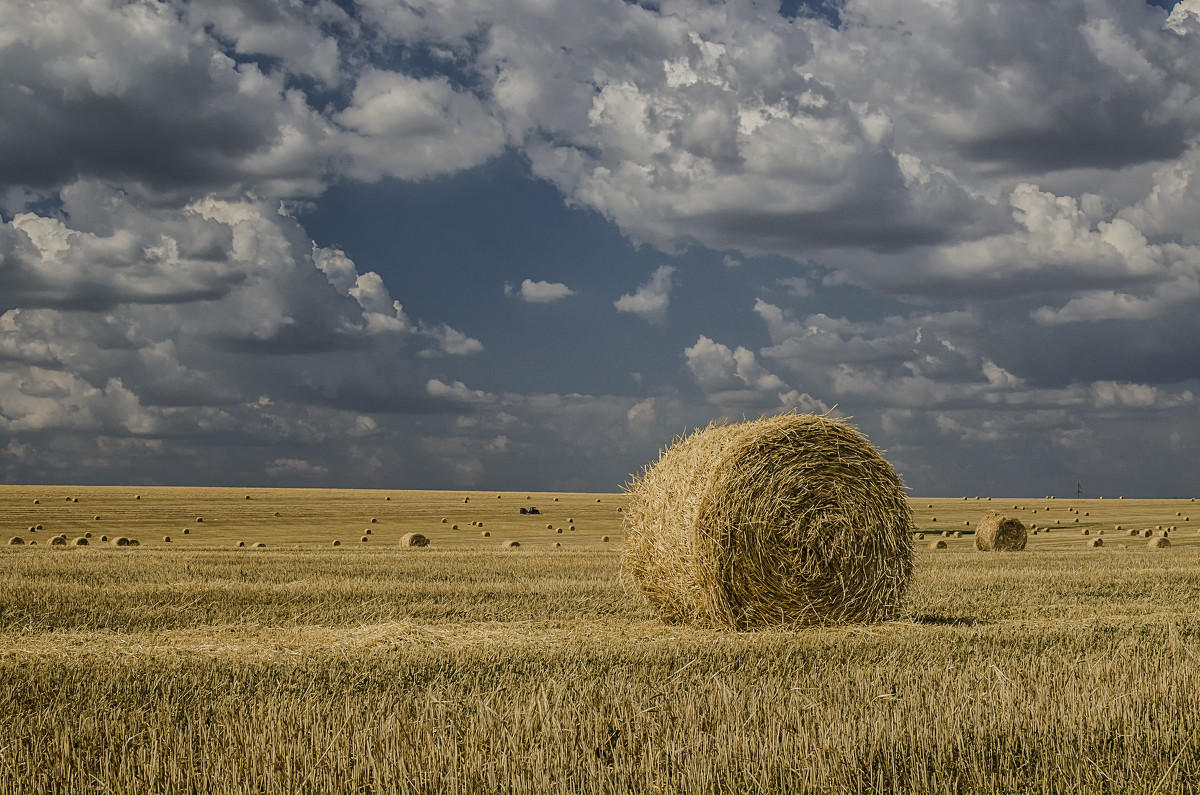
(651, 299)
(540, 292)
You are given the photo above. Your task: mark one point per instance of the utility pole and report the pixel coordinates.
(1078, 490)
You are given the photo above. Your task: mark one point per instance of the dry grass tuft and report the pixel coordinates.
(794, 519)
(999, 533)
(413, 540)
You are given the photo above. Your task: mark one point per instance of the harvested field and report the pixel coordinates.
(469, 668)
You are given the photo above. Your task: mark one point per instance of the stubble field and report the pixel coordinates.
(196, 665)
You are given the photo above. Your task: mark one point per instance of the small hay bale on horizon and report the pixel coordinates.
(939, 544)
(794, 519)
(485, 534)
(413, 540)
(999, 533)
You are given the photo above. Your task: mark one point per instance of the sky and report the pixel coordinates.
(524, 244)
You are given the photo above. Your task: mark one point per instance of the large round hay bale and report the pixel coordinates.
(793, 519)
(413, 540)
(999, 533)
(1162, 542)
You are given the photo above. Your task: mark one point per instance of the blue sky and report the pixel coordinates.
(522, 244)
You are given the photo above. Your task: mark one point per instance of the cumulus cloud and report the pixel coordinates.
(650, 300)
(540, 292)
(731, 378)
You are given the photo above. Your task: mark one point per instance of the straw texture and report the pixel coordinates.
(788, 520)
(998, 533)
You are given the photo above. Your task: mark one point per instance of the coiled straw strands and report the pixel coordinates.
(788, 520)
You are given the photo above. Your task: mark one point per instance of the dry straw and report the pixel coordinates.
(787, 520)
(999, 533)
(1162, 542)
(413, 540)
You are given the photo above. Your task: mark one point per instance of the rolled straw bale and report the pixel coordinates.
(1096, 542)
(337, 543)
(1162, 542)
(1147, 533)
(413, 540)
(241, 544)
(80, 542)
(946, 534)
(939, 544)
(604, 539)
(259, 545)
(999, 533)
(485, 534)
(792, 519)
(511, 544)
(1085, 532)
(16, 541)
(104, 538)
(58, 541)
(1133, 531)
(133, 542)
(958, 534)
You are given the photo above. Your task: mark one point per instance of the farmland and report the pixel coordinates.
(196, 665)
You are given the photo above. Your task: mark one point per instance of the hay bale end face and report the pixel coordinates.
(999, 533)
(16, 541)
(788, 520)
(413, 540)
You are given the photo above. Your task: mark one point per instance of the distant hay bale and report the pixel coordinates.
(33, 543)
(958, 533)
(549, 527)
(58, 541)
(104, 539)
(87, 535)
(1099, 532)
(453, 527)
(1085, 532)
(556, 545)
(466, 499)
(511, 544)
(485, 534)
(389, 499)
(374, 520)
(133, 542)
(1117, 528)
(999, 533)
(413, 540)
(241, 544)
(1096, 542)
(479, 524)
(259, 545)
(1133, 531)
(793, 519)
(364, 539)
(946, 534)
(967, 523)
(337, 543)
(604, 539)
(1146, 533)
(199, 519)
(96, 518)
(939, 544)
(572, 528)
(444, 520)
(277, 513)
(1035, 532)
(367, 531)
(570, 521)
(16, 541)
(80, 542)
(1162, 542)
(37, 502)
(187, 531)
(38, 527)
(920, 537)
(166, 539)
(137, 496)
(559, 529)
(933, 518)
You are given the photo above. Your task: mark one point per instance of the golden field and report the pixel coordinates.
(198, 666)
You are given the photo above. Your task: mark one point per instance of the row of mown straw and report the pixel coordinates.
(788, 520)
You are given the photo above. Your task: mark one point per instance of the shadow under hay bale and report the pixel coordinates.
(413, 540)
(788, 520)
(999, 533)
